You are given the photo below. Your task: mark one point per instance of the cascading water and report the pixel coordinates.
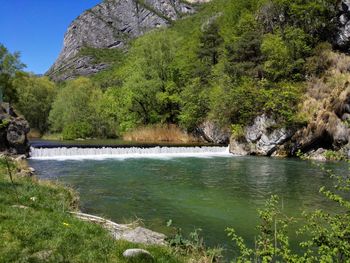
(74, 153)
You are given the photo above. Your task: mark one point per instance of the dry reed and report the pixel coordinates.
(159, 133)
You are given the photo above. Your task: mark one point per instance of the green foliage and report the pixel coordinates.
(284, 54)
(103, 55)
(319, 62)
(281, 100)
(194, 106)
(334, 156)
(9, 65)
(230, 62)
(76, 108)
(78, 129)
(243, 54)
(210, 42)
(192, 245)
(325, 235)
(35, 97)
(150, 89)
(237, 131)
(272, 242)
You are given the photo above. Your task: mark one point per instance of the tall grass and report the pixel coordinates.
(159, 133)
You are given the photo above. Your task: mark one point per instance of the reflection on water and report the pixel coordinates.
(211, 193)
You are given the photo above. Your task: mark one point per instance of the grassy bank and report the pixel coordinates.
(35, 226)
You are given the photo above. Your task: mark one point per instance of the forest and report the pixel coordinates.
(228, 63)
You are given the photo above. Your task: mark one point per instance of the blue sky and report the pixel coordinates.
(36, 28)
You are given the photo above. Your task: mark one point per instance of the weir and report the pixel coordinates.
(76, 153)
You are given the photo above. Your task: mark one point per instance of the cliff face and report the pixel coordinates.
(112, 24)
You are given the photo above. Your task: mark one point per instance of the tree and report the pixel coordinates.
(208, 51)
(9, 65)
(243, 54)
(35, 98)
(150, 77)
(194, 104)
(277, 63)
(74, 111)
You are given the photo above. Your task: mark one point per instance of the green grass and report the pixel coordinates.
(37, 228)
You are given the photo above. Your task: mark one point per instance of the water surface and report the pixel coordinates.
(207, 193)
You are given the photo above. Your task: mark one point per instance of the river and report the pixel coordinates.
(210, 191)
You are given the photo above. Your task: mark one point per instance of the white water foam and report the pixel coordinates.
(76, 153)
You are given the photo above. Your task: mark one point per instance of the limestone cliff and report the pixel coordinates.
(112, 24)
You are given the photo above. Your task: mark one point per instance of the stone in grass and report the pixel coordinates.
(138, 254)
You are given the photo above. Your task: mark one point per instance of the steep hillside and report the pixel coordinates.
(109, 25)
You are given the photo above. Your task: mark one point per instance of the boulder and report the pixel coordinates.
(142, 235)
(17, 135)
(261, 138)
(239, 147)
(137, 253)
(269, 141)
(317, 155)
(13, 132)
(342, 39)
(125, 232)
(212, 132)
(261, 123)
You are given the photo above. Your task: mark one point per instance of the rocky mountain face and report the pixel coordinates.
(112, 24)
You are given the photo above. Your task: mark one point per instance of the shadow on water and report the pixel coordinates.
(207, 193)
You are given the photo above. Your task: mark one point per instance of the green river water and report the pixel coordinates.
(207, 193)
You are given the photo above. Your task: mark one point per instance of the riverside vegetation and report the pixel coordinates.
(229, 62)
(325, 235)
(36, 226)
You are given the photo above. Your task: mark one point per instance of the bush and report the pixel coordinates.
(77, 130)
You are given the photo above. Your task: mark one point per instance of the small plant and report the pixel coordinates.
(326, 235)
(237, 131)
(333, 155)
(272, 243)
(5, 160)
(4, 123)
(193, 244)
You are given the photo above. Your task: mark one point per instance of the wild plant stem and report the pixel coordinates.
(11, 178)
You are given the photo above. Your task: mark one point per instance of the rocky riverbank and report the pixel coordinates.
(40, 222)
(324, 126)
(13, 131)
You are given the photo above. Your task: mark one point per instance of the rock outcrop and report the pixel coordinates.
(342, 39)
(112, 24)
(13, 132)
(263, 137)
(125, 232)
(211, 132)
